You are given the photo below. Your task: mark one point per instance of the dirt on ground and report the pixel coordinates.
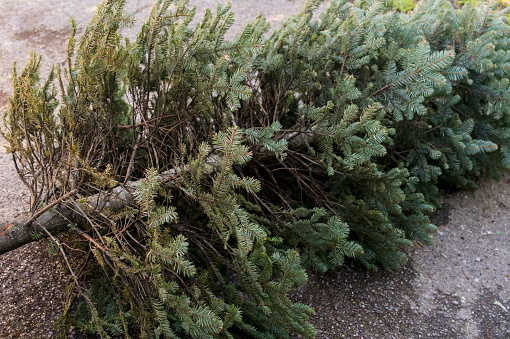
(458, 288)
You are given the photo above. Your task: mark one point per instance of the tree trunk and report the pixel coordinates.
(21, 232)
(58, 219)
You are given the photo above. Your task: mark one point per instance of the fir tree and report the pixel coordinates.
(247, 161)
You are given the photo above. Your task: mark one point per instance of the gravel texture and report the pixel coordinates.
(459, 288)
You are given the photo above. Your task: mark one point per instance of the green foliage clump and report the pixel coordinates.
(403, 5)
(252, 159)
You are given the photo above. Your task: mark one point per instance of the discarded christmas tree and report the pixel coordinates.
(205, 175)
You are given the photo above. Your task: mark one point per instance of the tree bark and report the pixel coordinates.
(58, 219)
(19, 232)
